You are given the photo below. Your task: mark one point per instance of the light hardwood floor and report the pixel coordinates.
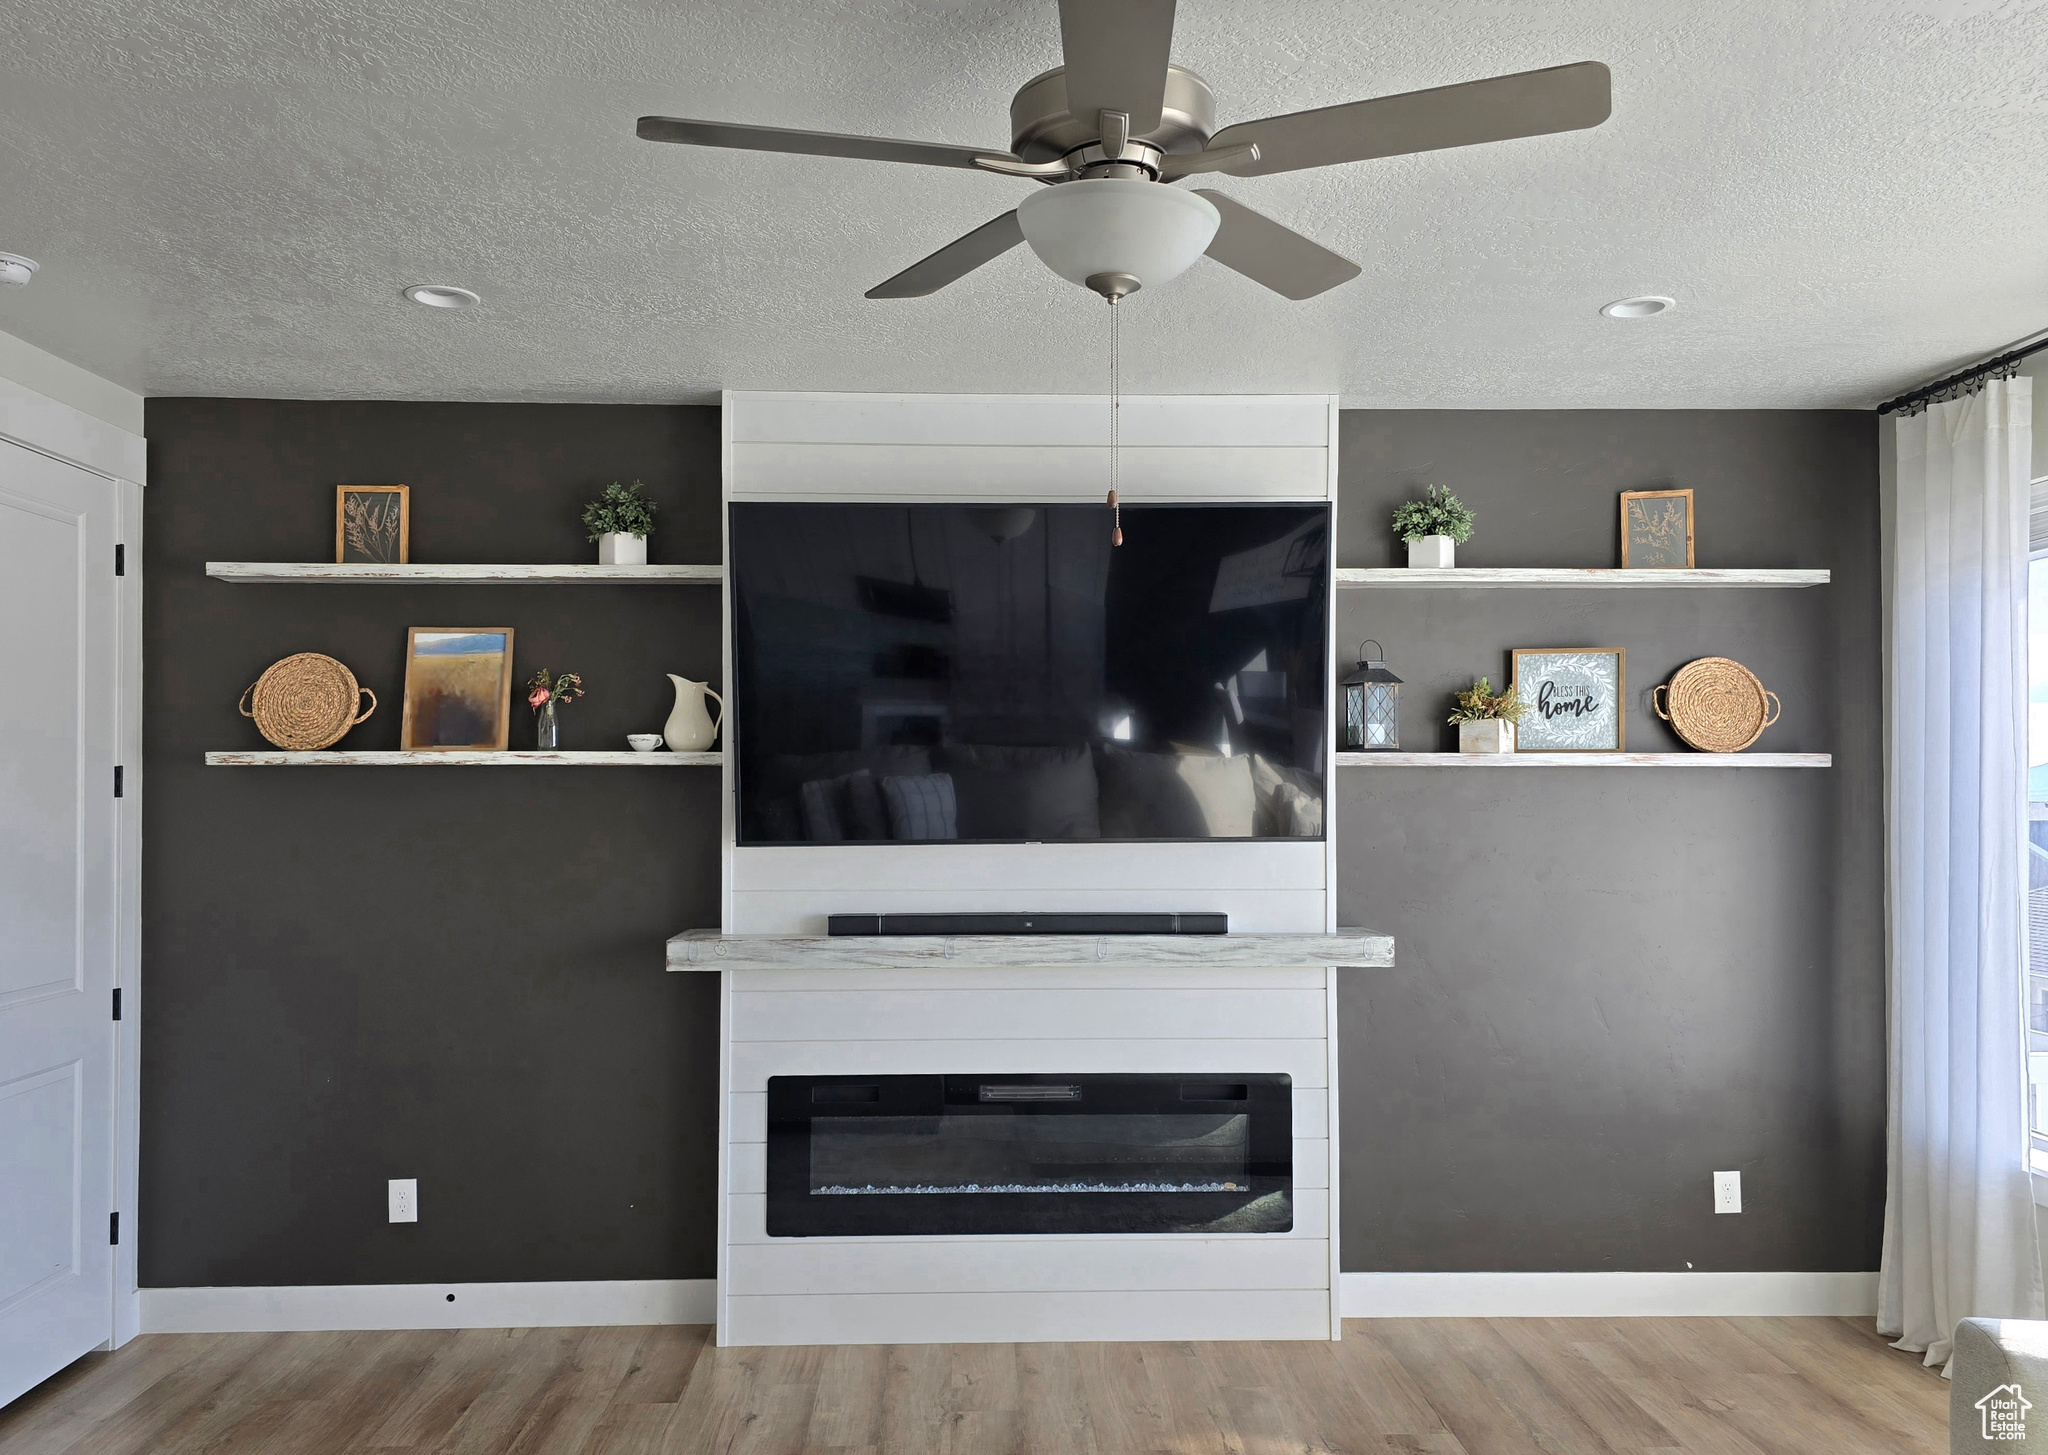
(1441, 1386)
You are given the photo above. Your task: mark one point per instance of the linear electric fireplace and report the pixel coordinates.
(929, 1155)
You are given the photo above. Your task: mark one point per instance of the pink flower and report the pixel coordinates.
(536, 697)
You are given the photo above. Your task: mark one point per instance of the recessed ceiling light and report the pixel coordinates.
(442, 295)
(1648, 306)
(16, 269)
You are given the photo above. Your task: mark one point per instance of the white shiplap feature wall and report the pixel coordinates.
(1025, 448)
(1271, 885)
(993, 1288)
(1032, 421)
(906, 1018)
(1095, 1014)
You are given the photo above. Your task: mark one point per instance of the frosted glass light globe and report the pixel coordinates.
(1148, 230)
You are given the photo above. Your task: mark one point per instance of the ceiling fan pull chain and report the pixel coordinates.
(1116, 404)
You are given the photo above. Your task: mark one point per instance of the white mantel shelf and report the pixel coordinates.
(1584, 760)
(341, 758)
(369, 573)
(712, 950)
(1569, 578)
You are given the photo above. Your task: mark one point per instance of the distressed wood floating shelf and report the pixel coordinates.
(332, 758)
(1584, 760)
(1570, 578)
(368, 573)
(712, 950)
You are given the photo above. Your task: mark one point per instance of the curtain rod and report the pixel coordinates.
(1975, 371)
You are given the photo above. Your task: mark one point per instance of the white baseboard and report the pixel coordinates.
(1607, 1295)
(691, 1301)
(428, 1306)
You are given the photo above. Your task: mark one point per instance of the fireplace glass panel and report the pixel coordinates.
(952, 1154)
(956, 1154)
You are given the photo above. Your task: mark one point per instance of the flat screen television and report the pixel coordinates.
(1003, 674)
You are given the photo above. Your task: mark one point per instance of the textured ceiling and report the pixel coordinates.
(226, 198)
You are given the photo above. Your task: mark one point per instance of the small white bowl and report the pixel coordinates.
(644, 742)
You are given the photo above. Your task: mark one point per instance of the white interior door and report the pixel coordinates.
(57, 913)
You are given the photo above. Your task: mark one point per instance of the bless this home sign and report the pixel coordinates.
(1572, 700)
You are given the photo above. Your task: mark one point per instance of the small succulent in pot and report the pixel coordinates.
(620, 521)
(1486, 719)
(1480, 703)
(1433, 526)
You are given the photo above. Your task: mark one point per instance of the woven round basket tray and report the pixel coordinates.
(1716, 705)
(305, 702)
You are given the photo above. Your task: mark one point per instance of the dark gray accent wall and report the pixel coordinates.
(1611, 983)
(448, 974)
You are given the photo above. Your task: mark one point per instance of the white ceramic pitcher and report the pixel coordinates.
(690, 729)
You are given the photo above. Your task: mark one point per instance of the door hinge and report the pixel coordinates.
(113, 1227)
(120, 560)
(117, 780)
(117, 1002)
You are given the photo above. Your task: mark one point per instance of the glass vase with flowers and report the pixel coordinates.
(546, 696)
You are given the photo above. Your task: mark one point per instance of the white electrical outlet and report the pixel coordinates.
(404, 1196)
(1727, 1192)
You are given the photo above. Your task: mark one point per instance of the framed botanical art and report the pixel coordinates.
(372, 523)
(458, 689)
(1656, 530)
(1573, 699)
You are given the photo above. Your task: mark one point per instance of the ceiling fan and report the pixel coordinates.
(1118, 122)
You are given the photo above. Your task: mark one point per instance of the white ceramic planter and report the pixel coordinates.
(1437, 552)
(1489, 735)
(619, 549)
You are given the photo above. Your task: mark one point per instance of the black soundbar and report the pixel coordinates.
(1030, 924)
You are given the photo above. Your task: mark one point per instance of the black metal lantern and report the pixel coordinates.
(1372, 706)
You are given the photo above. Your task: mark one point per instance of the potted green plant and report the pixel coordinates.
(619, 521)
(1432, 527)
(1486, 721)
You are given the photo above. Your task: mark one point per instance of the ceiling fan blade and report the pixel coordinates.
(1176, 165)
(1529, 103)
(1116, 54)
(954, 261)
(1282, 259)
(809, 143)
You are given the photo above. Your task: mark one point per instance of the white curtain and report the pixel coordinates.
(1959, 1210)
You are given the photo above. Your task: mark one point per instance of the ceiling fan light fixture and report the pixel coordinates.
(1116, 228)
(441, 295)
(1647, 306)
(1120, 117)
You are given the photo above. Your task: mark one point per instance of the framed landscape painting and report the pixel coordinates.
(458, 689)
(1573, 699)
(372, 523)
